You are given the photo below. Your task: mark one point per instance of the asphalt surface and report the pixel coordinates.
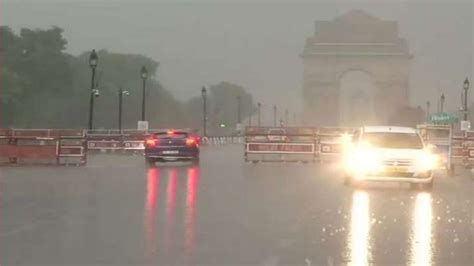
(115, 211)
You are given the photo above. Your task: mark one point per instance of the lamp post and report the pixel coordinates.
(144, 76)
(250, 117)
(93, 61)
(428, 106)
(204, 112)
(441, 103)
(287, 118)
(259, 113)
(274, 115)
(121, 93)
(466, 89)
(238, 110)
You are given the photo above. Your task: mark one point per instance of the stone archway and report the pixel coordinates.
(356, 71)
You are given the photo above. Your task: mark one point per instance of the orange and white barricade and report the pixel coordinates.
(104, 140)
(469, 148)
(280, 144)
(332, 142)
(458, 152)
(42, 146)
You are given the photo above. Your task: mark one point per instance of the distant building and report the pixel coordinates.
(356, 71)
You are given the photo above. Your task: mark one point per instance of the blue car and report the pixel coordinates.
(171, 145)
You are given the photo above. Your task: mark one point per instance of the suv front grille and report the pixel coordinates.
(398, 162)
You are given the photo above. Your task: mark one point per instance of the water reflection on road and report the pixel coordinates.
(421, 234)
(361, 237)
(178, 194)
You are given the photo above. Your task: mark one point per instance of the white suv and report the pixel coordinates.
(394, 154)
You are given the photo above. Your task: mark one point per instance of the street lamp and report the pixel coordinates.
(121, 93)
(259, 111)
(238, 109)
(466, 88)
(144, 76)
(428, 106)
(204, 113)
(287, 118)
(274, 115)
(441, 103)
(93, 61)
(239, 118)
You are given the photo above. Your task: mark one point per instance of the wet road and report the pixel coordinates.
(224, 212)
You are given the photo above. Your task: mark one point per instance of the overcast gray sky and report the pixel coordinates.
(252, 43)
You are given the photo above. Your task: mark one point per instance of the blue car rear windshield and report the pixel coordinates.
(174, 135)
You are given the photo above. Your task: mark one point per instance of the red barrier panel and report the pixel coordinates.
(42, 146)
(279, 144)
(331, 142)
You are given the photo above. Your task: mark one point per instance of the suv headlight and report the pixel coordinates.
(426, 161)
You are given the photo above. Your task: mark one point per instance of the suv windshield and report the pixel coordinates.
(393, 140)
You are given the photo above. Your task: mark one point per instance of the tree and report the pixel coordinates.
(222, 108)
(35, 72)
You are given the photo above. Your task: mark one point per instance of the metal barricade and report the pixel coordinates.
(42, 146)
(104, 140)
(441, 137)
(458, 152)
(128, 140)
(277, 144)
(469, 149)
(331, 142)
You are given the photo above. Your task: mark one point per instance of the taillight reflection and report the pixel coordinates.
(153, 186)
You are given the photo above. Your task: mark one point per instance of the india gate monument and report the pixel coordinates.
(356, 71)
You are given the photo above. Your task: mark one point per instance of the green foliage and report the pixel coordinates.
(34, 68)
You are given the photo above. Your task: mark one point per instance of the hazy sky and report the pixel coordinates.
(253, 43)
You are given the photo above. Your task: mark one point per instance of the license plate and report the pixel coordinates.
(170, 152)
(399, 169)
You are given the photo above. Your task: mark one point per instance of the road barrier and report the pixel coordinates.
(469, 148)
(221, 140)
(116, 140)
(133, 140)
(277, 144)
(51, 146)
(70, 146)
(458, 150)
(331, 141)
